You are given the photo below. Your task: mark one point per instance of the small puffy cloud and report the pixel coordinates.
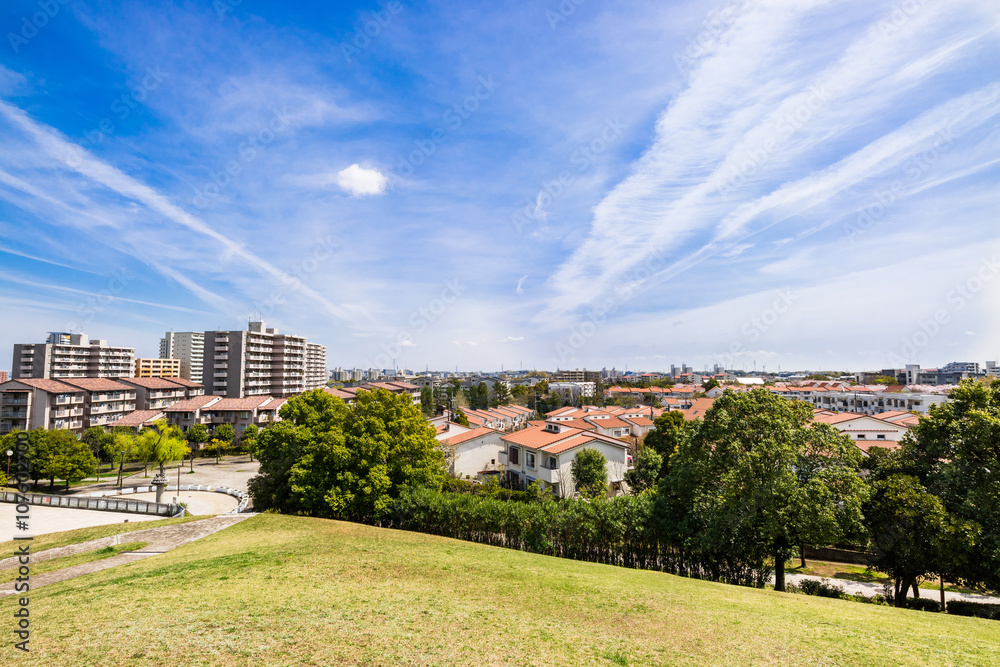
(360, 181)
(407, 343)
(512, 339)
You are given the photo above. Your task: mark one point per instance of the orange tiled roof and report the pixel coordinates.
(241, 404)
(468, 435)
(51, 386)
(139, 418)
(193, 404)
(97, 384)
(152, 383)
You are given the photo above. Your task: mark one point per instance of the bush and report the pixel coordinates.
(923, 604)
(822, 589)
(976, 609)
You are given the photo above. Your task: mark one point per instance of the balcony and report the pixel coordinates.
(14, 399)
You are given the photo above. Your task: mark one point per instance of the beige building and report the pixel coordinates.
(261, 362)
(74, 403)
(148, 367)
(69, 355)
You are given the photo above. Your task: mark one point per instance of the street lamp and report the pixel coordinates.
(10, 453)
(121, 466)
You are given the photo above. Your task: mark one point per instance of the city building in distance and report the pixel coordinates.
(68, 355)
(261, 361)
(189, 347)
(149, 367)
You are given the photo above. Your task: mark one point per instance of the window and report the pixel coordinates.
(618, 433)
(861, 436)
(880, 436)
(552, 463)
(514, 456)
(529, 459)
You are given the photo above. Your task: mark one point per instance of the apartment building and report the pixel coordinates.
(260, 362)
(69, 355)
(576, 376)
(189, 347)
(70, 403)
(155, 393)
(213, 411)
(29, 403)
(4, 376)
(148, 367)
(316, 370)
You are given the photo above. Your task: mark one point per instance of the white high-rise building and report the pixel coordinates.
(70, 355)
(189, 347)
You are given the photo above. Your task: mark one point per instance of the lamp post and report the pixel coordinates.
(121, 466)
(10, 453)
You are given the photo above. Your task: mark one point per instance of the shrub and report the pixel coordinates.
(823, 589)
(923, 604)
(976, 609)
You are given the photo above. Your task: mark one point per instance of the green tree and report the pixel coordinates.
(249, 439)
(911, 532)
(427, 401)
(711, 383)
(197, 435)
(590, 473)
(169, 446)
(96, 438)
(460, 418)
(954, 454)
(72, 462)
(885, 379)
(646, 472)
(736, 489)
(328, 459)
(222, 437)
(501, 393)
(670, 430)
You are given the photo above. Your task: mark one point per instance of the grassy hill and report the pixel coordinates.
(277, 590)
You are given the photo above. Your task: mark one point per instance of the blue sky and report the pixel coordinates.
(536, 184)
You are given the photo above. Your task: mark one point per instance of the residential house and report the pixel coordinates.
(545, 453)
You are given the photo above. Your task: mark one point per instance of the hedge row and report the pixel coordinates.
(619, 531)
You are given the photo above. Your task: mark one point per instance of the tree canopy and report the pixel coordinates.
(590, 473)
(329, 459)
(756, 479)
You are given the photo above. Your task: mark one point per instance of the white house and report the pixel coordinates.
(473, 452)
(544, 454)
(865, 430)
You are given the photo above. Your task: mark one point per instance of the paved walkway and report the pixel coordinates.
(871, 589)
(233, 472)
(159, 540)
(56, 519)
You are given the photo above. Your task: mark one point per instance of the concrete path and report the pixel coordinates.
(233, 472)
(57, 519)
(159, 540)
(870, 589)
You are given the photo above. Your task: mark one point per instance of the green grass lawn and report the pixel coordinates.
(67, 537)
(76, 559)
(276, 590)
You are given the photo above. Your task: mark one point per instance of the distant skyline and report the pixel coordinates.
(553, 185)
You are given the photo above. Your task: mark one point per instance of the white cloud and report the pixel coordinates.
(360, 181)
(512, 339)
(520, 284)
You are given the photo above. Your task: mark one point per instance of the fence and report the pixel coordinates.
(99, 504)
(241, 496)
